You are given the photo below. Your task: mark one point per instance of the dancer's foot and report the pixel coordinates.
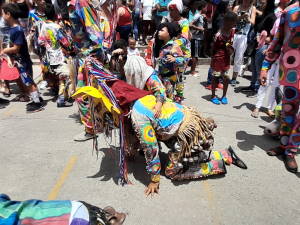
(270, 113)
(236, 160)
(279, 150)
(255, 113)
(290, 163)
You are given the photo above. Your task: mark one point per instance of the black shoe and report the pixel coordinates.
(4, 101)
(290, 163)
(35, 107)
(236, 160)
(64, 104)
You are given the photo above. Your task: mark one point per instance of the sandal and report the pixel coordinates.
(114, 217)
(236, 160)
(21, 98)
(270, 113)
(279, 150)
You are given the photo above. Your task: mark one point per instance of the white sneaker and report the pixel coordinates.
(43, 84)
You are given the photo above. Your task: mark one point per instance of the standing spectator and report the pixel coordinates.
(197, 25)
(262, 37)
(136, 6)
(19, 52)
(246, 18)
(161, 11)
(218, 18)
(170, 56)
(4, 41)
(124, 24)
(23, 17)
(175, 8)
(208, 35)
(147, 23)
(220, 62)
(272, 80)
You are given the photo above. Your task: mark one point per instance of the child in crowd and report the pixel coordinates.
(132, 50)
(197, 24)
(19, 52)
(220, 62)
(170, 56)
(55, 65)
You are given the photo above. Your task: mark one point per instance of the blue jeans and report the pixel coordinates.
(136, 24)
(256, 62)
(124, 31)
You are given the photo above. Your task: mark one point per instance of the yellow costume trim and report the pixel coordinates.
(97, 95)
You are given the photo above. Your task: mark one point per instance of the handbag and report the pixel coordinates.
(7, 70)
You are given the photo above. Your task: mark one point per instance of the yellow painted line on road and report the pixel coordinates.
(209, 195)
(55, 190)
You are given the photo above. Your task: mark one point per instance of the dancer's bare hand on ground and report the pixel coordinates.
(152, 189)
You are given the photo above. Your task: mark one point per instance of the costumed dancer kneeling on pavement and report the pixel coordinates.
(171, 123)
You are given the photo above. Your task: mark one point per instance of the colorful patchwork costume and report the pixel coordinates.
(37, 212)
(87, 40)
(286, 46)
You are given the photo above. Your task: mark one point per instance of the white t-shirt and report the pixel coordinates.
(131, 52)
(147, 9)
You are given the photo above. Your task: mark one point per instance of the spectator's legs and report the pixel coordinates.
(195, 53)
(261, 96)
(136, 23)
(124, 32)
(225, 83)
(157, 20)
(240, 46)
(146, 24)
(214, 83)
(259, 58)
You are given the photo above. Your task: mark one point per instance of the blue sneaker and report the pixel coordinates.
(224, 101)
(215, 100)
(233, 83)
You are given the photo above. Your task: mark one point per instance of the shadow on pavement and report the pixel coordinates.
(206, 97)
(247, 105)
(248, 142)
(109, 168)
(75, 117)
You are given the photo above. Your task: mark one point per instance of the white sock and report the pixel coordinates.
(35, 96)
